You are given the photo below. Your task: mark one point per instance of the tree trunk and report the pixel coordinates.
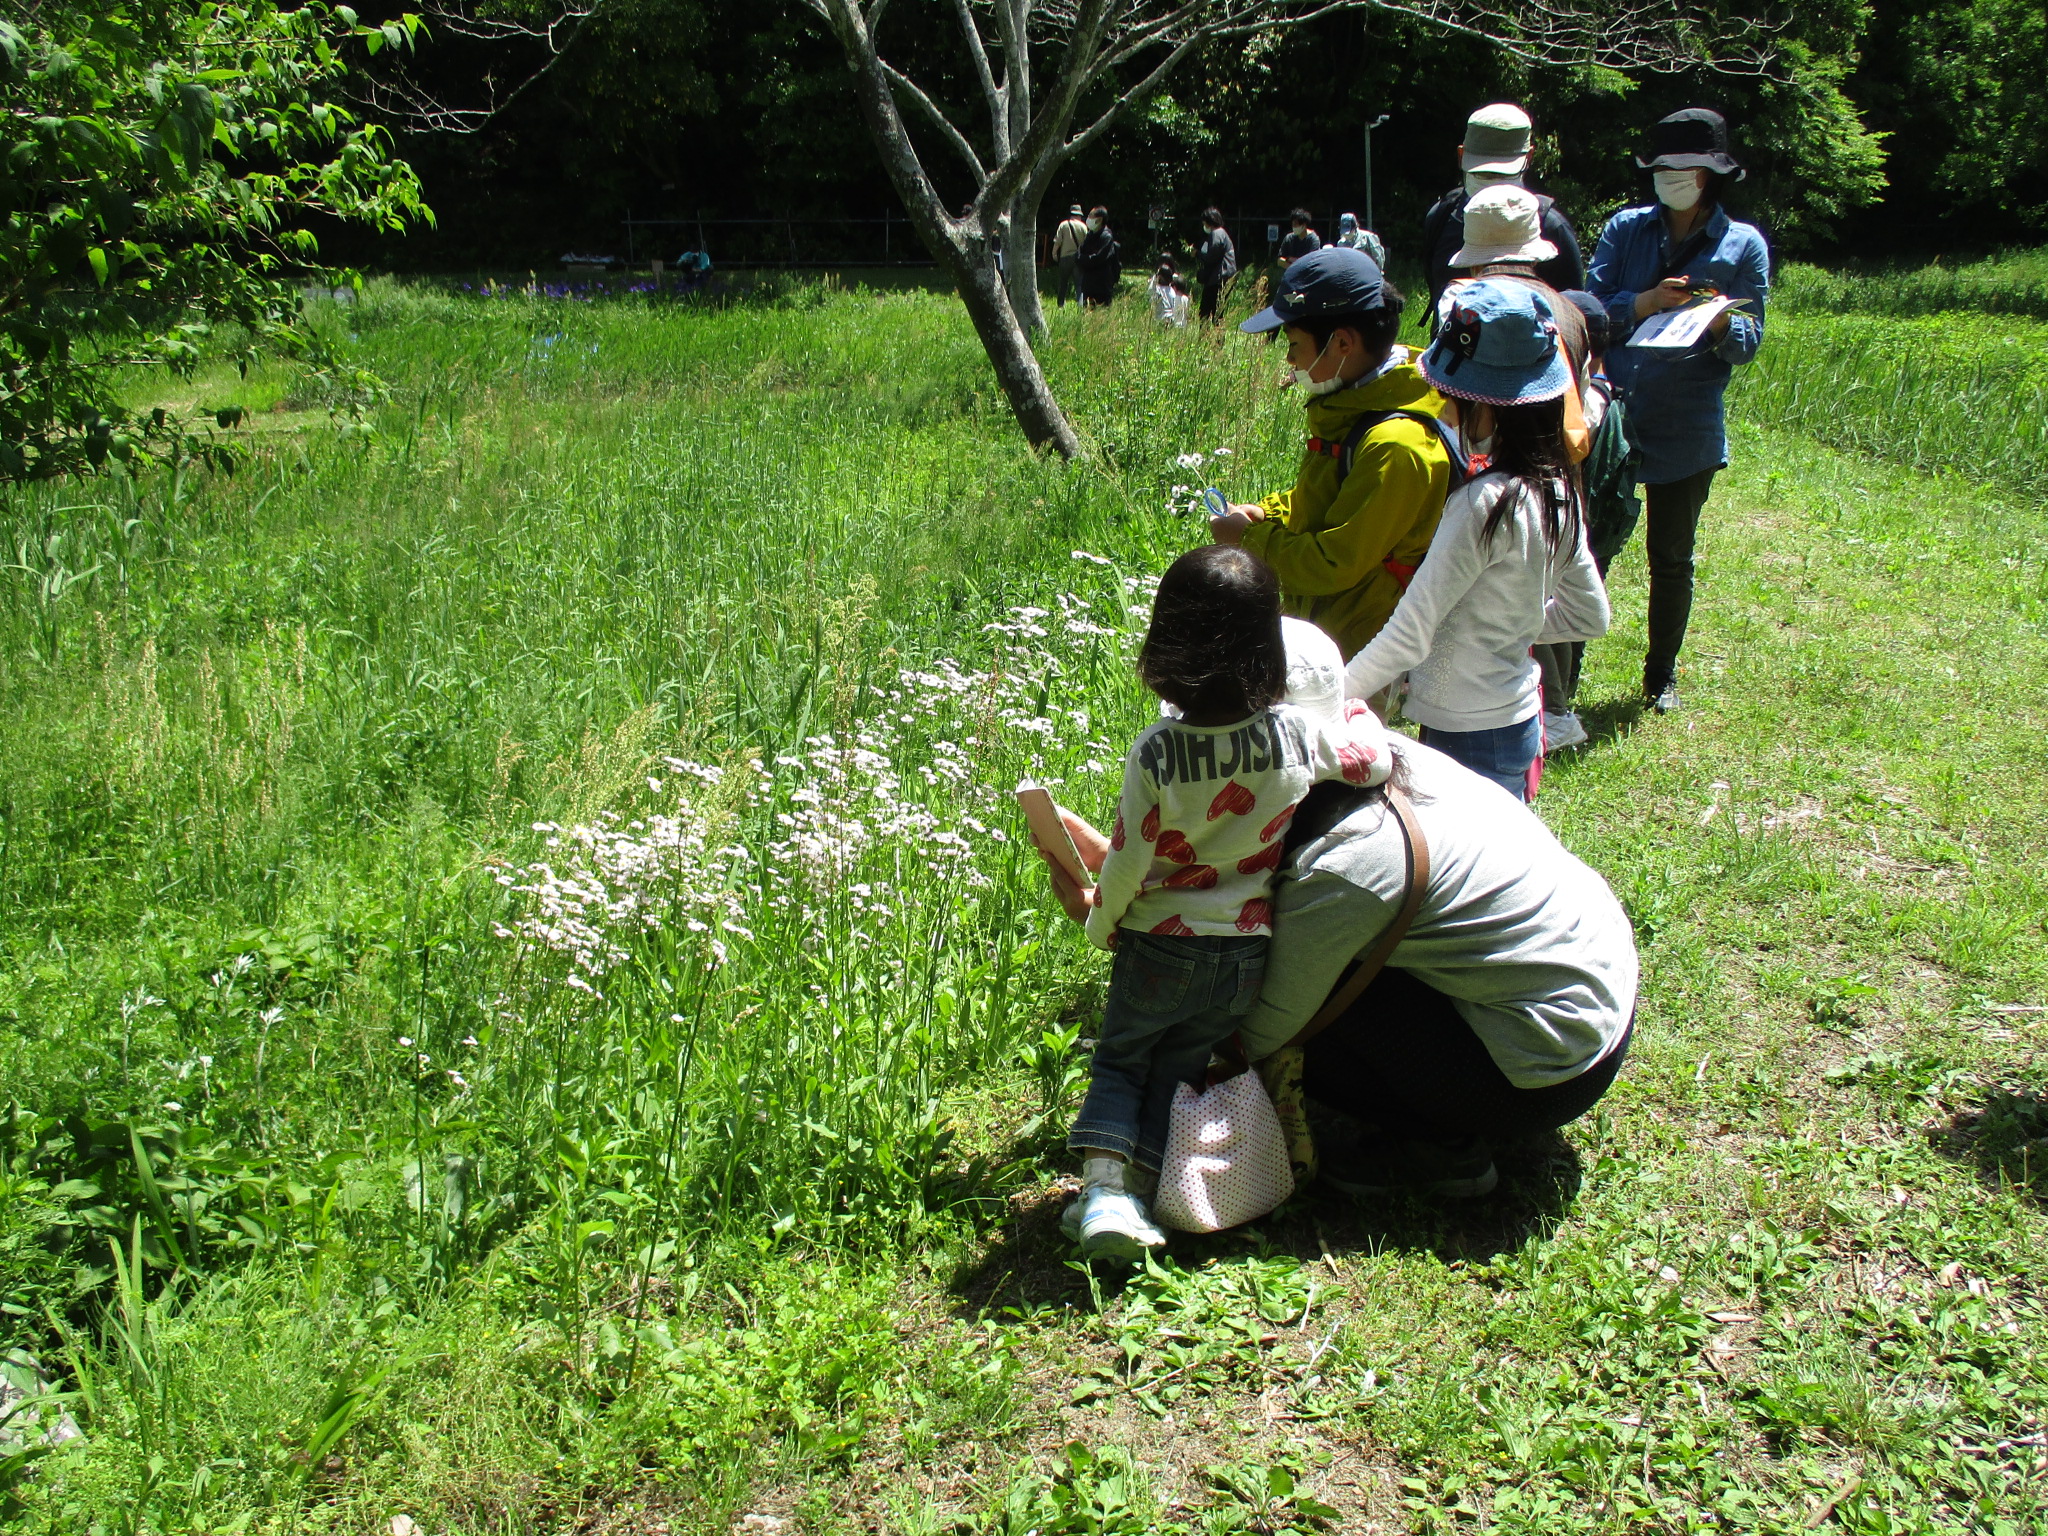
(1020, 252)
(1016, 365)
(961, 246)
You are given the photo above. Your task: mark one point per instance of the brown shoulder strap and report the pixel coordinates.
(1372, 964)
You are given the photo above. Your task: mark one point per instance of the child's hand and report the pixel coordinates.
(1093, 848)
(1229, 527)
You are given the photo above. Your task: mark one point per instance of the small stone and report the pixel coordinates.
(403, 1525)
(767, 1524)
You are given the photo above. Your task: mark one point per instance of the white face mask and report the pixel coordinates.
(1300, 378)
(1677, 190)
(1477, 182)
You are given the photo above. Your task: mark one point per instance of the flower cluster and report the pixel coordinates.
(1187, 499)
(851, 832)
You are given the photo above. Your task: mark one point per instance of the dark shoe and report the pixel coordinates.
(1662, 693)
(1454, 1170)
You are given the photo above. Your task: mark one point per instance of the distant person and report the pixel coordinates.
(1169, 296)
(1215, 261)
(1354, 236)
(1495, 152)
(695, 268)
(1350, 533)
(1184, 896)
(1508, 566)
(1608, 476)
(1656, 258)
(1066, 245)
(1099, 261)
(1300, 240)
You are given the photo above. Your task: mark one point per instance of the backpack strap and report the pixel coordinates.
(1363, 974)
(1346, 453)
(1685, 255)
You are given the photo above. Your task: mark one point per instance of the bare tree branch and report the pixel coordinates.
(557, 32)
(1137, 95)
(937, 114)
(1630, 37)
(978, 53)
(393, 94)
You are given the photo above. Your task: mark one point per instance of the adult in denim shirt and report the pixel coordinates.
(1649, 260)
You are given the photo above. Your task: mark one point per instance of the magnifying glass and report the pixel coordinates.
(1217, 503)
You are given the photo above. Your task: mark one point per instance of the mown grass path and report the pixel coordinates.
(409, 1228)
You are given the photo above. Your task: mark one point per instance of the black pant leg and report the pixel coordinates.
(1671, 516)
(1403, 1059)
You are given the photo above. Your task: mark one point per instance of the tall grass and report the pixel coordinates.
(286, 758)
(478, 880)
(2011, 283)
(1962, 393)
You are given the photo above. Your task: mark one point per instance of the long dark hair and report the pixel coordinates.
(1529, 446)
(1214, 647)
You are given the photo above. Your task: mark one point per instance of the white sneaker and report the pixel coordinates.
(1562, 731)
(1115, 1226)
(1070, 1218)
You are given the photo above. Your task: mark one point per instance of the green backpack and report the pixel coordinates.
(1609, 475)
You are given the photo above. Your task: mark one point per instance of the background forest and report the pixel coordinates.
(1906, 127)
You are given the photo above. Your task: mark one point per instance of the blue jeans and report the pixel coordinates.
(1503, 754)
(1172, 1001)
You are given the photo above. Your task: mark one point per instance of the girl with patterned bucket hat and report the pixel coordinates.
(1509, 567)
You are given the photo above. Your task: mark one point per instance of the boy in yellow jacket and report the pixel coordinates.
(1349, 535)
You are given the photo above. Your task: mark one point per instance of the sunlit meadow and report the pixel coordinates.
(526, 1009)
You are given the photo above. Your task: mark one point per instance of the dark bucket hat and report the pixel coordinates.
(1688, 140)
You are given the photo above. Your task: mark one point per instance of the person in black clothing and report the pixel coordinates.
(1099, 262)
(1301, 241)
(1496, 150)
(1215, 261)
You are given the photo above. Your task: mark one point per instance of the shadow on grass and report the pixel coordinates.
(2005, 1136)
(1607, 722)
(1026, 1263)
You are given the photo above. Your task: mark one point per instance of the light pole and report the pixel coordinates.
(1368, 168)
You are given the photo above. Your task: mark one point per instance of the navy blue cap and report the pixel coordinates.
(1332, 281)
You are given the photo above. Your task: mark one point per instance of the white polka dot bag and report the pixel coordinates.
(1226, 1157)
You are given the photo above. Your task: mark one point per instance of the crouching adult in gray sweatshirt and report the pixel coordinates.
(1504, 1012)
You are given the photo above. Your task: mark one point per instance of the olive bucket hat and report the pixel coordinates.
(1497, 140)
(1696, 138)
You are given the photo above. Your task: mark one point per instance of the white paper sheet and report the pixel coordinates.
(1681, 328)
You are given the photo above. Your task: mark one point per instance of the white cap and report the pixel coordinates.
(1503, 223)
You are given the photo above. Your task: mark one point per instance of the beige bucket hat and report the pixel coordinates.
(1503, 224)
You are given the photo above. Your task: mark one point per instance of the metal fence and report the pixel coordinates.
(889, 241)
(785, 242)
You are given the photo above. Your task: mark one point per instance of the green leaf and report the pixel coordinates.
(97, 256)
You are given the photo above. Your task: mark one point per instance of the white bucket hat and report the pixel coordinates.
(1497, 140)
(1315, 670)
(1503, 224)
